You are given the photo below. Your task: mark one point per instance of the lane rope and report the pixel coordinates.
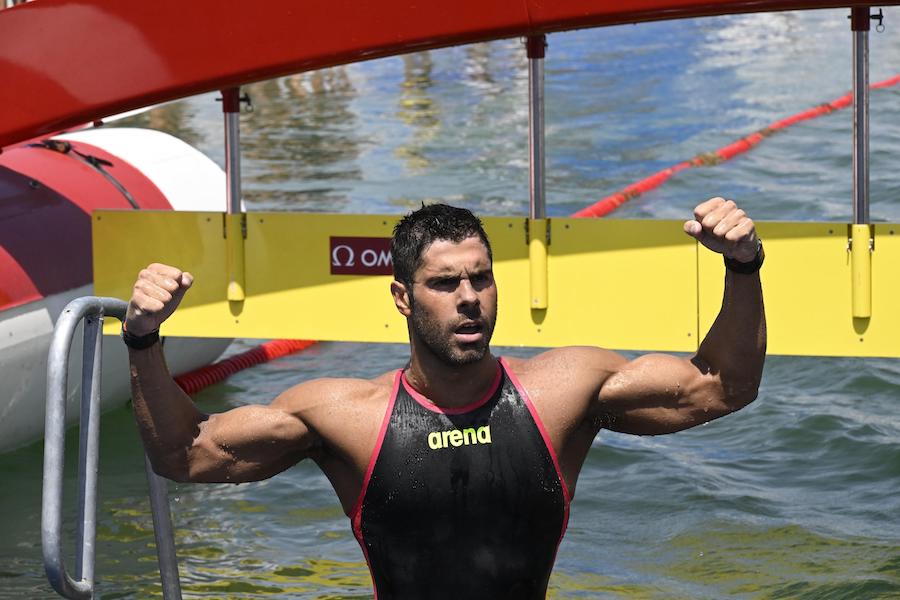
(708, 159)
(198, 379)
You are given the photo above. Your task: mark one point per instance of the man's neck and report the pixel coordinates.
(450, 386)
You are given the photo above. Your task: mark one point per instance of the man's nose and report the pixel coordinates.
(467, 294)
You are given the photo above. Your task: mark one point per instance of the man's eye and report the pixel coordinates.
(447, 283)
(480, 279)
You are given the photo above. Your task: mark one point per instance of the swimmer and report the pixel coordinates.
(457, 471)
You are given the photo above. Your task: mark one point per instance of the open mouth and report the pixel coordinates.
(470, 331)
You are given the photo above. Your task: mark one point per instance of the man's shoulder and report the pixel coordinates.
(333, 392)
(564, 384)
(566, 362)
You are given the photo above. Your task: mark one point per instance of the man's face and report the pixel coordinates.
(453, 300)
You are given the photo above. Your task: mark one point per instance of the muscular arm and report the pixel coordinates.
(244, 444)
(656, 393)
(247, 443)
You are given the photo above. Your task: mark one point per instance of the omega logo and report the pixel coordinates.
(345, 256)
(336, 256)
(361, 256)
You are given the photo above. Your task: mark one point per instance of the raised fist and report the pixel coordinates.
(722, 227)
(156, 294)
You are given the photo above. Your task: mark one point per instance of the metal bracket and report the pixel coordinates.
(242, 99)
(547, 238)
(861, 235)
(859, 21)
(245, 99)
(880, 18)
(225, 225)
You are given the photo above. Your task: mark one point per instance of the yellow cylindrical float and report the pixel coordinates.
(537, 259)
(861, 270)
(234, 243)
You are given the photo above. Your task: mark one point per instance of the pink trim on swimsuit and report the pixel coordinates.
(456, 410)
(356, 513)
(540, 425)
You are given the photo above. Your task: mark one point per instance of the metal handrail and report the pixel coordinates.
(92, 310)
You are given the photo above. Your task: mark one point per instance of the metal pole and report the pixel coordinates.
(861, 234)
(163, 532)
(860, 23)
(234, 219)
(89, 449)
(231, 106)
(536, 45)
(537, 224)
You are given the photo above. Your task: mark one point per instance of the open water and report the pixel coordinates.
(794, 497)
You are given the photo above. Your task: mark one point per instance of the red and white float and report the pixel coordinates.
(48, 189)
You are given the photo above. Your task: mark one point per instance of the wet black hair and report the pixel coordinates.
(417, 230)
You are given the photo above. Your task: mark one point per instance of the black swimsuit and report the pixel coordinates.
(461, 503)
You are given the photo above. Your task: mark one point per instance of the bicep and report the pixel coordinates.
(656, 394)
(247, 443)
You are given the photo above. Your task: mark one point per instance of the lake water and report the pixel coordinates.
(794, 497)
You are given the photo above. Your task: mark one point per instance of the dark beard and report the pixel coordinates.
(439, 342)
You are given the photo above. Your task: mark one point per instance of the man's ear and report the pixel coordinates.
(401, 298)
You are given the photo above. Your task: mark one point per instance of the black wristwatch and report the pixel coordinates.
(139, 342)
(747, 268)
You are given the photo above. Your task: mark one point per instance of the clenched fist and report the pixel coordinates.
(156, 294)
(722, 227)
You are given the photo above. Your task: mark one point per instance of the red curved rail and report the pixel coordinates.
(69, 62)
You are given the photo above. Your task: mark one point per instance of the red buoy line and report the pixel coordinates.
(614, 201)
(194, 381)
(203, 377)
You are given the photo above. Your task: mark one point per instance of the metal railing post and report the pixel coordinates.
(54, 448)
(536, 47)
(538, 226)
(860, 25)
(89, 449)
(235, 225)
(163, 532)
(92, 309)
(861, 235)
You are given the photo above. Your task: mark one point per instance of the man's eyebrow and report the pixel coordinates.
(444, 275)
(451, 272)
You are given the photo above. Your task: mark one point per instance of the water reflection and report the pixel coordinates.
(478, 67)
(174, 118)
(417, 109)
(301, 142)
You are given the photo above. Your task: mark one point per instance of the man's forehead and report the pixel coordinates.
(448, 256)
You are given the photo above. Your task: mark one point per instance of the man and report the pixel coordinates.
(457, 471)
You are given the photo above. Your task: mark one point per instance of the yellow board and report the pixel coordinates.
(808, 293)
(635, 284)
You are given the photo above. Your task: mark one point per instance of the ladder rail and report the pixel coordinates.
(92, 310)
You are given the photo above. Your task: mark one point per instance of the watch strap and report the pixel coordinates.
(139, 342)
(747, 268)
